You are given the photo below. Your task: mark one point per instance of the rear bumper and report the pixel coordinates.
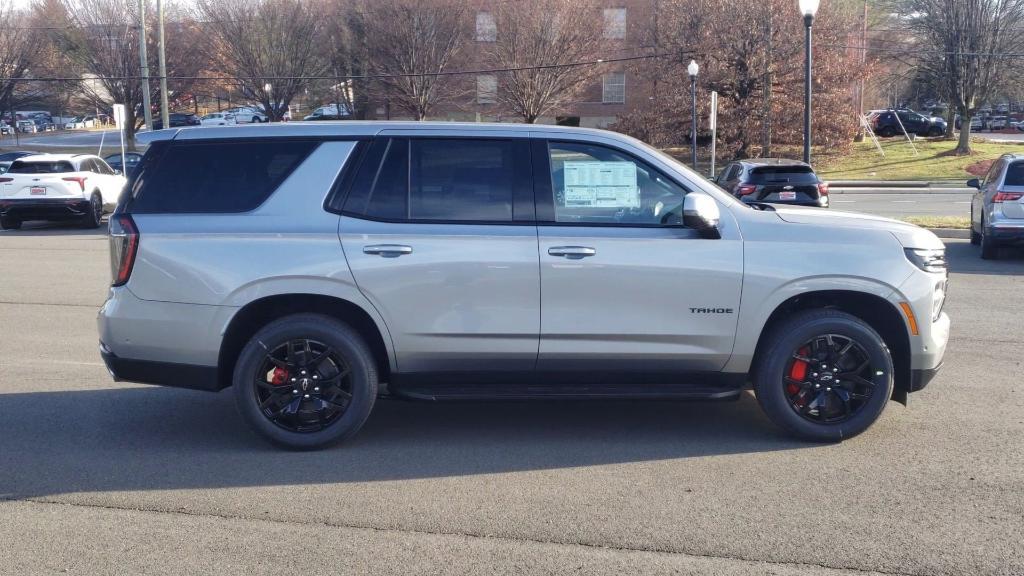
(821, 202)
(44, 208)
(160, 373)
(1007, 230)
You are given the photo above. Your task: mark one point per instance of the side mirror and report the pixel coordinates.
(117, 172)
(701, 213)
(974, 183)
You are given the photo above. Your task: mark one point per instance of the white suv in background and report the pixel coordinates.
(58, 187)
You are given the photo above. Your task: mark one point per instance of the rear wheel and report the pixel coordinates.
(989, 246)
(975, 236)
(305, 381)
(94, 216)
(8, 223)
(826, 375)
(887, 132)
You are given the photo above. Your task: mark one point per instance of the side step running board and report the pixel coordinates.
(558, 392)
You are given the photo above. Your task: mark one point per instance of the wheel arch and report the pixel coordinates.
(258, 313)
(882, 315)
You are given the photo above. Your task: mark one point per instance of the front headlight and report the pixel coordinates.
(927, 259)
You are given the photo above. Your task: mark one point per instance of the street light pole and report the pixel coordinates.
(165, 115)
(147, 106)
(808, 8)
(692, 70)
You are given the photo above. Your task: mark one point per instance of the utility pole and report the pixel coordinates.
(863, 63)
(147, 106)
(165, 115)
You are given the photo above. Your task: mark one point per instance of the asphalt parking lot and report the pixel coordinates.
(98, 477)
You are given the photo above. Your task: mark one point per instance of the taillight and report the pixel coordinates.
(746, 189)
(124, 243)
(823, 188)
(79, 179)
(1007, 196)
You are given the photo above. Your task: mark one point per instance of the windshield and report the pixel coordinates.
(707, 185)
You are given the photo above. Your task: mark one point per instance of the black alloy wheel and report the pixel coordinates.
(829, 379)
(305, 381)
(823, 374)
(303, 385)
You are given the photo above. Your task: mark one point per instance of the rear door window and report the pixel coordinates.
(441, 180)
(218, 177)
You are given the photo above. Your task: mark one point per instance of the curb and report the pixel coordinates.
(956, 233)
(895, 190)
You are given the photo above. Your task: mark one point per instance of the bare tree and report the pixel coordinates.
(537, 40)
(17, 47)
(411, 44)
(269, 46)
(347, 59)
(972, 39)
(101, 39)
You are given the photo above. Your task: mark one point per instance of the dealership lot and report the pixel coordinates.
(100, 477)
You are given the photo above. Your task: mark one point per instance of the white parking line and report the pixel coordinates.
(904, 201)
(845, 201)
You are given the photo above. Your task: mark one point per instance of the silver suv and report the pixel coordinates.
(314, 267)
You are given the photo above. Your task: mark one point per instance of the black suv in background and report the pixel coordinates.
(887, 123)
(774, 180)
(177, 120)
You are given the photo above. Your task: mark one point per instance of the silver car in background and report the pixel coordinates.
(997, 208)
(313, 267)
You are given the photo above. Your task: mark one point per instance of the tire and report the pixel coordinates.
(357, 389)
(989, 246)
(779, 397)
(94, 217)
(935, 132)
(8, 223)
(887, 132)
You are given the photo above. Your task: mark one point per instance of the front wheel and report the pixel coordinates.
(975, 236)
(7, 223)
(825, 375)
(305, 381)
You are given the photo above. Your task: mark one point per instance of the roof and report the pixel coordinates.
(772, 162)
(53, 157)
(361, 128)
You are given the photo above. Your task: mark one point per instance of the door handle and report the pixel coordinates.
(572, 252)
(387, 250)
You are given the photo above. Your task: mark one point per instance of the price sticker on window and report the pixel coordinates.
(601, 185)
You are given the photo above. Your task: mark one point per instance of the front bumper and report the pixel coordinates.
(44, 208)
(921, 377)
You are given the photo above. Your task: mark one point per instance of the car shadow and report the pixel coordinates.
(965, 258)
(150, 438)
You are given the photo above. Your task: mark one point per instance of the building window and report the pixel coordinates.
(614, 23)
(486, 29)
(486, 89)
(613, 88)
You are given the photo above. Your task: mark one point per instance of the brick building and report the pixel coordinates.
(624, 25)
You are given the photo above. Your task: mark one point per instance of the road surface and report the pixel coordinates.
(99, 477)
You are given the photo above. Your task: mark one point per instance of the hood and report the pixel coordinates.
(909, 235)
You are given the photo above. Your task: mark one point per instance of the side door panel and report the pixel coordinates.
(646, 298)
(457, 294)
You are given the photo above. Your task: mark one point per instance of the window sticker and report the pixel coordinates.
(601, 185)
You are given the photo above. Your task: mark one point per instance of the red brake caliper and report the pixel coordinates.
(278, 376)
(798, 371)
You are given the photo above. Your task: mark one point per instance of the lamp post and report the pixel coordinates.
(808, 8)
(272, 109)
(692, 70)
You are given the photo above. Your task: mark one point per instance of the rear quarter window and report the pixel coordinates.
(217, 177)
